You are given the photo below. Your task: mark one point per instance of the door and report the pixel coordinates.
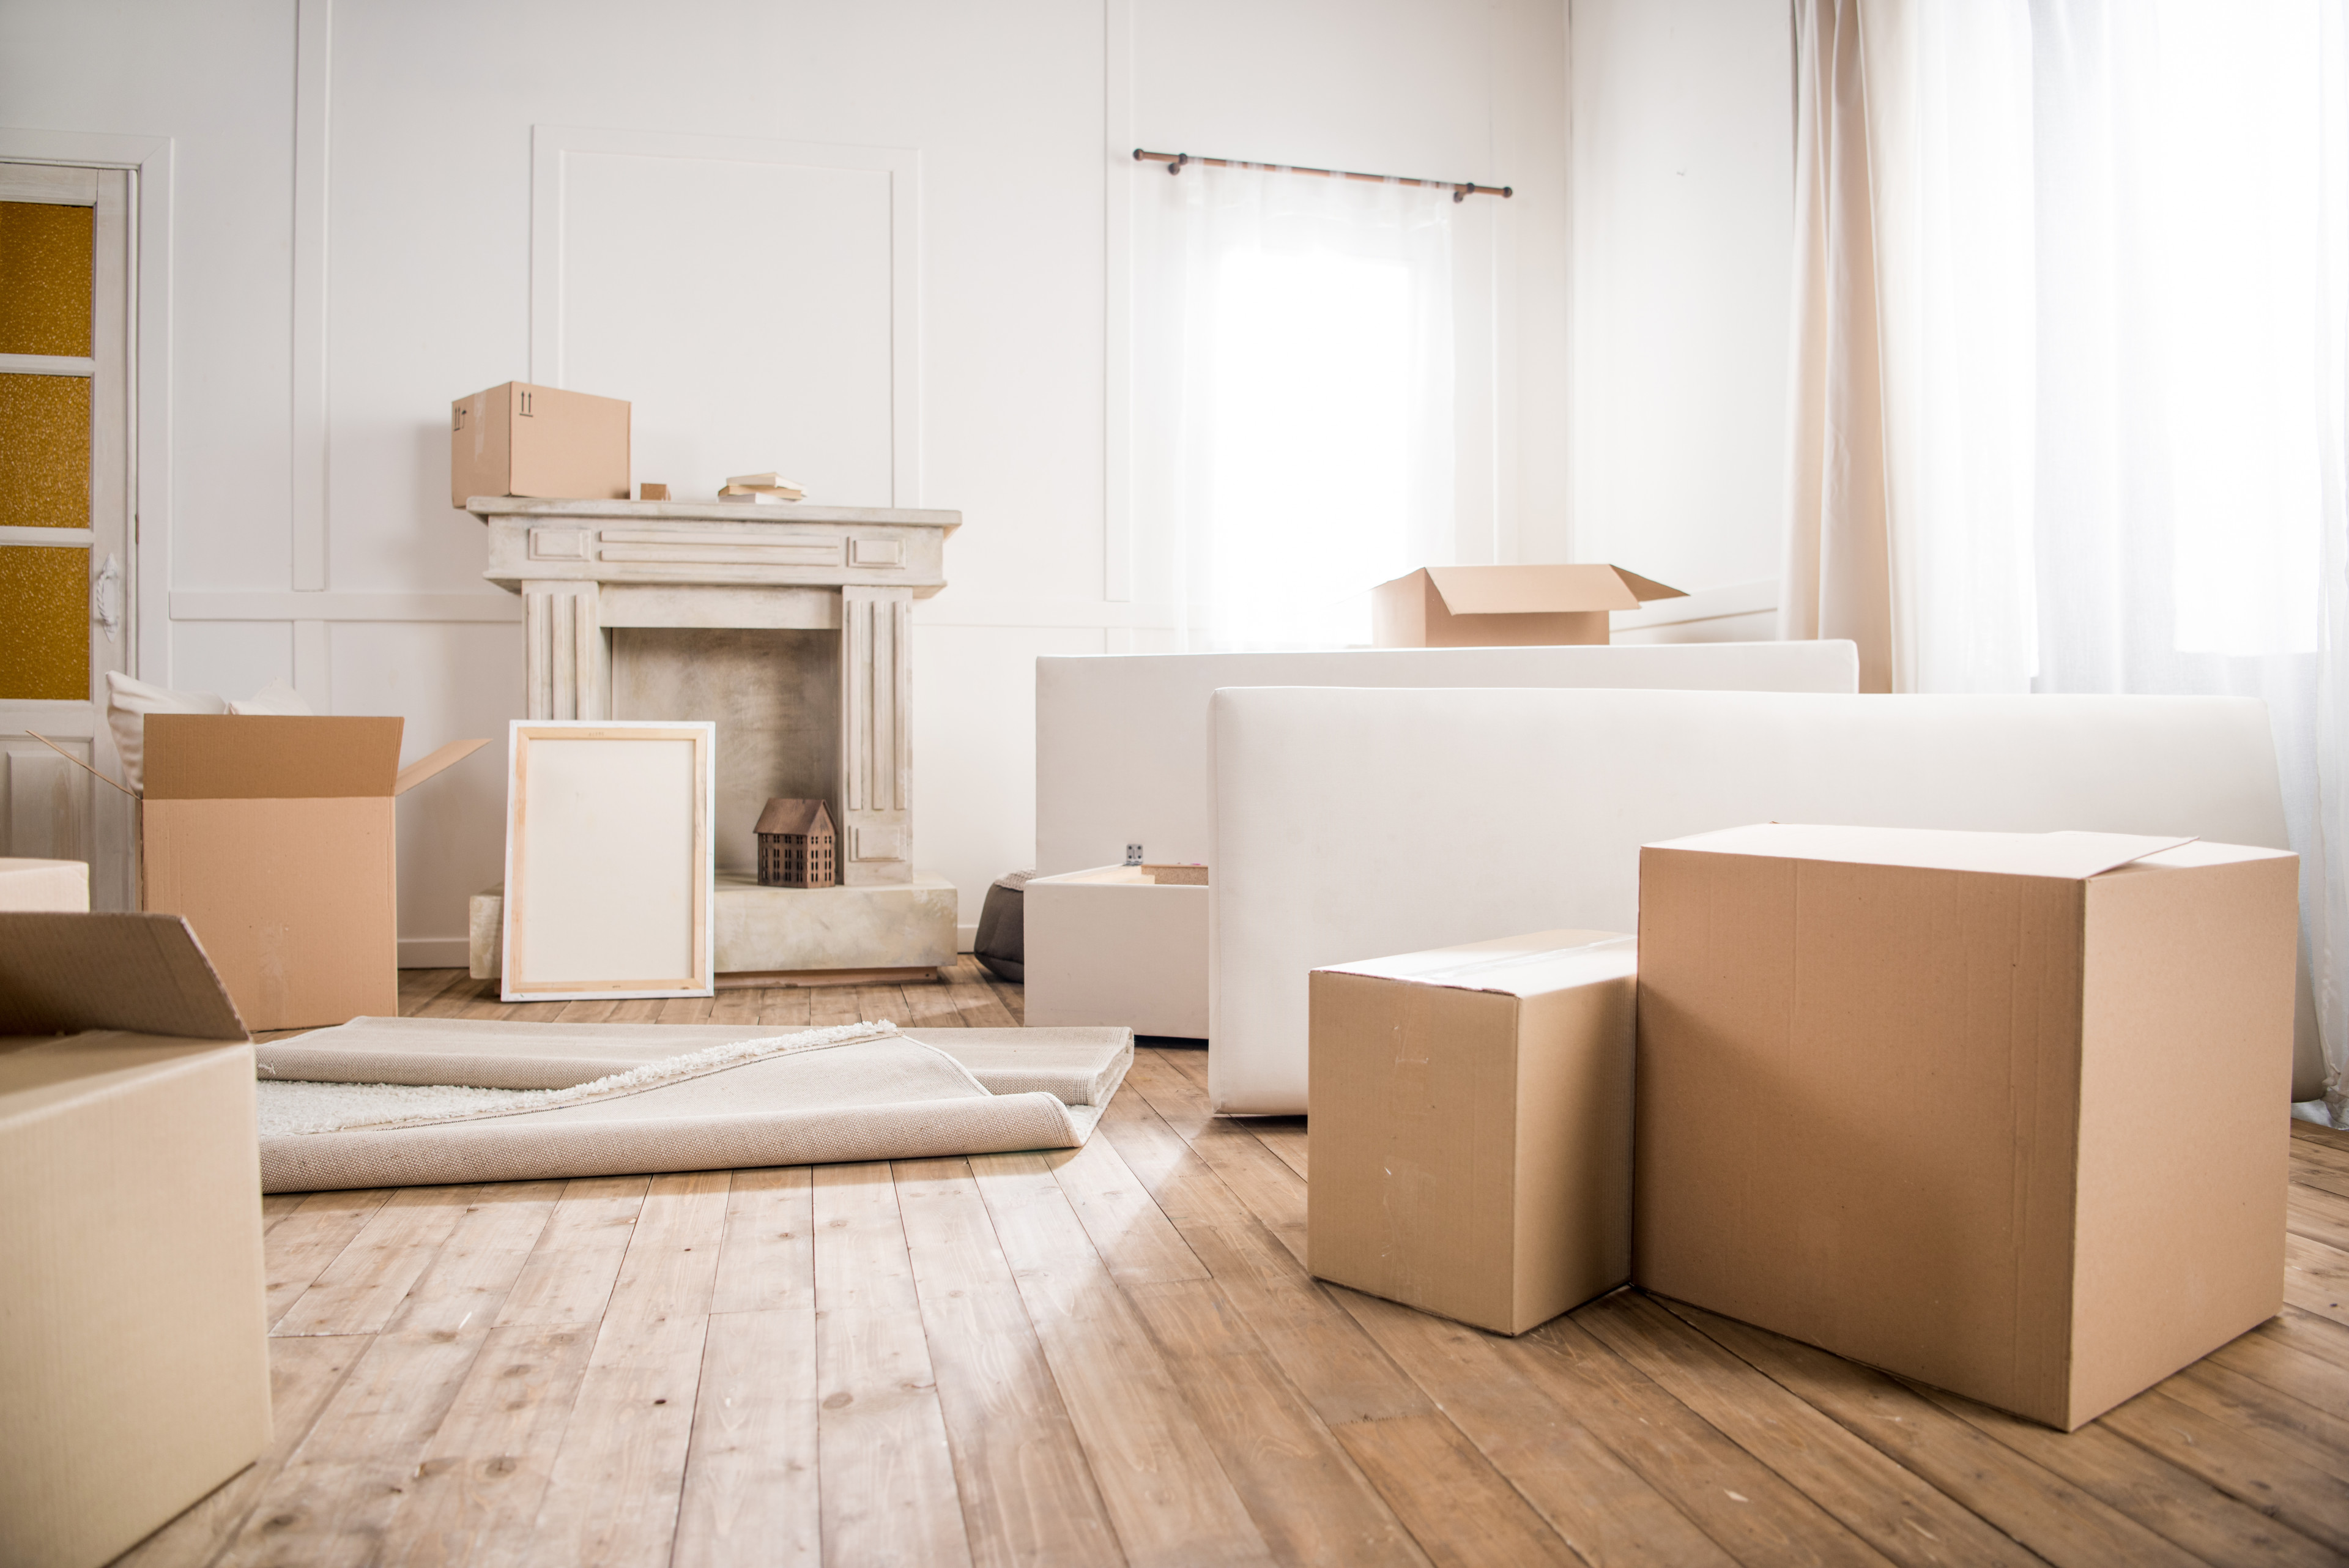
(66, 530)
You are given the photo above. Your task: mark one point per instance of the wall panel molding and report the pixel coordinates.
(1006, 612)
(551, 146)
(278, 604)
(311, 434)
(1117, 294)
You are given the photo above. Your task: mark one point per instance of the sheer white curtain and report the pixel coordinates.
(2077, 281)
(1293, 408)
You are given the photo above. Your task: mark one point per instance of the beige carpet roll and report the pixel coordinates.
(415, 1102)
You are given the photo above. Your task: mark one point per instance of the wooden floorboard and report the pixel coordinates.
(1116, 1356)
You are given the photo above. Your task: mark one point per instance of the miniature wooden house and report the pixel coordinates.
(797, 845)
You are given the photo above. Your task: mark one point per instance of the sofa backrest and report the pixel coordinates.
(1121, 742)
(1354, 825)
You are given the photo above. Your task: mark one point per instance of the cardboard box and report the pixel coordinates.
(134, 1365)
(1471, 1110)
(54, 884)
(2002, 1113)
(1506, 607)
(275, 838)
(1114, 946)
(521, 439)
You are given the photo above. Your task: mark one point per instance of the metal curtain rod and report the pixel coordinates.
(1460, 192)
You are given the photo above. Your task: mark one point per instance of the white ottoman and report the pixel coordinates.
(1110, 946)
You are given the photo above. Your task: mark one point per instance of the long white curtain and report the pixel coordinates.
(2071, 384)
(1293, 398)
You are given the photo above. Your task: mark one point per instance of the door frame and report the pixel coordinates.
(144, 509)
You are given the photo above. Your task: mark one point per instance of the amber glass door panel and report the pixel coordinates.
(46, 281)
(46, 276)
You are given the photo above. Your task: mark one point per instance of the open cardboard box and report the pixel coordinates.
(1506, 607)
(134, 1365)
(274, 837)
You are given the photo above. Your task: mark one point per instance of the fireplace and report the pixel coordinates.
(789, 627)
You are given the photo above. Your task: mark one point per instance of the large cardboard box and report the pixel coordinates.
(522, 440)
(1110, 946)
(2002, 1113)
(1471, 1110)
(275, 838)
(1506, 607)
(134, 1368)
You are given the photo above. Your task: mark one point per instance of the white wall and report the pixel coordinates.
(1022, 113)
(1683, 194)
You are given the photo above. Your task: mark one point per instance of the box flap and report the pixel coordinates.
(1542, 590)
(2199, 852)
(204, 756)
(1528, 965)
(423, 768)
(61, 974)
(2072, 856)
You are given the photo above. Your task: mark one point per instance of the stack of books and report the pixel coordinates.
(760, 487)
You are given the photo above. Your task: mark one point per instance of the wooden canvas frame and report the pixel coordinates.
(578, 878)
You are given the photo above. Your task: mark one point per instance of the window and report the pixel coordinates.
(1293, 408)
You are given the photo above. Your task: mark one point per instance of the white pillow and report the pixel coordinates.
(127, 703)
(274, 697)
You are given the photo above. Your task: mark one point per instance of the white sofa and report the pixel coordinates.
(1354, 823)
(1121, 742)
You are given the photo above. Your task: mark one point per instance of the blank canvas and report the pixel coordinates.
(608, 866)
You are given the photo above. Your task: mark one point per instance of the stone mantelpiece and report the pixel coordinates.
(588, 571)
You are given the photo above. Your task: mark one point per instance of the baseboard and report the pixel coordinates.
(965, 938)
(436, 952)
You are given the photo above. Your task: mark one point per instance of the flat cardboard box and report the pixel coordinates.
(134, 1365)
(53, 885)
(273, 836)
(1113, 945)
(1506, 607)
(1471, 1109)
(523, 439)
(2002, 1113)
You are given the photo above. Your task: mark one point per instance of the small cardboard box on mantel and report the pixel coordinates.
(522, 440)
(1506, 607)
(273, 836)
(1471, 1110)
(135, 1364)
(2000, 1111)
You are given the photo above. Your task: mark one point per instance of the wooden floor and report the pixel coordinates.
(1116, 1355)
